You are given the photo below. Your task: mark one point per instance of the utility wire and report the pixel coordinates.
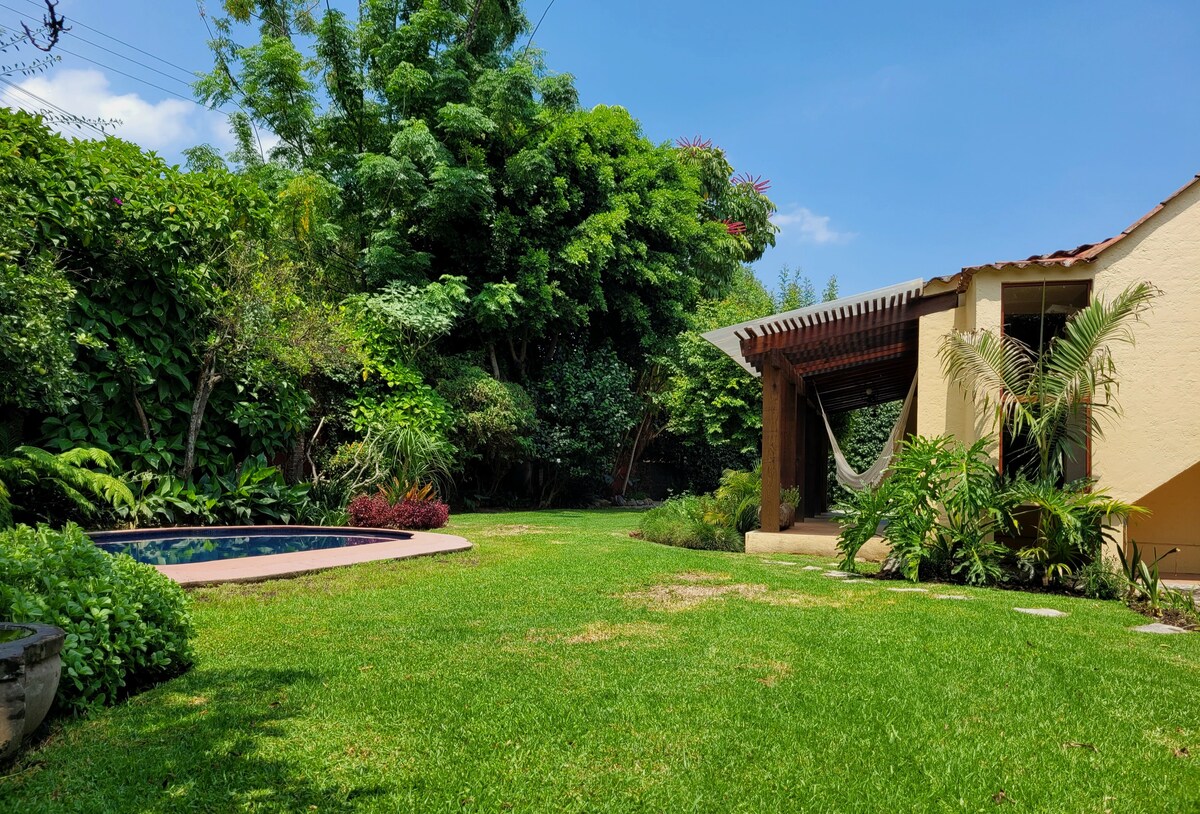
(76, 119)
(184, 82)
(134, 77)
(532, 34)
(75, 22)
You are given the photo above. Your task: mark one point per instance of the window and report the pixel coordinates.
(1036, 313)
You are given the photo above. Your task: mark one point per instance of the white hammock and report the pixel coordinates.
(861, 480)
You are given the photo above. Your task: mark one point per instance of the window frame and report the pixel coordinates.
(1090, 284)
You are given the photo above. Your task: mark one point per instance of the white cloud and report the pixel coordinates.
(166, 127)
(811, 227)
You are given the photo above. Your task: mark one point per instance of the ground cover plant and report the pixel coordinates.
(562, 666)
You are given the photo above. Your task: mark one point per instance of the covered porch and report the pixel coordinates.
(840, 355)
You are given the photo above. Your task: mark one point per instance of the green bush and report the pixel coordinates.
(681, 522)
(127, 624)
(1099, 580)
(735, 503)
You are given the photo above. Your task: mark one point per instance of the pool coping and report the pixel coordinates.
(297, 563)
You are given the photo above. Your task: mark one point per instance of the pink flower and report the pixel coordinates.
(693, 143)
(759, 183)
(734, 227)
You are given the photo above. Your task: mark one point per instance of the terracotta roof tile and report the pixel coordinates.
(1069, 257)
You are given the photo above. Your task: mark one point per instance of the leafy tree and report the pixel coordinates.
(454, 156)
(709, 399)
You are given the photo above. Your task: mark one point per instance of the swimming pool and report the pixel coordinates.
(209, 555)
(192, 545)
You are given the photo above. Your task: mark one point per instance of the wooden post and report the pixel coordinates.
(821, 467)
(801, 465)
(773, 390)
(787, 453)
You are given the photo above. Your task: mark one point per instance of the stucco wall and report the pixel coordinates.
(1172, 523)
(1158, 436)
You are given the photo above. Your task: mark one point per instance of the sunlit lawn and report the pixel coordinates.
(521, 676)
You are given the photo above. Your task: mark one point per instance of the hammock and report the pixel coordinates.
(861, 480)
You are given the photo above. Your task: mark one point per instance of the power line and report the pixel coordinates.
(75, 22)
(130, 76)
(130, 59)
(532, 34)
(73, 117)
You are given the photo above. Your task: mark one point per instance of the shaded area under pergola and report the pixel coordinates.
(841, 355)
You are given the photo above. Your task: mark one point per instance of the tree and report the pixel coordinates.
(456, 156)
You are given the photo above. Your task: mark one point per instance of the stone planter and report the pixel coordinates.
(29, 670)
(787, 516)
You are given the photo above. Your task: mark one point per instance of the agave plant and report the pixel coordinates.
(1057, 397)
(70, 471)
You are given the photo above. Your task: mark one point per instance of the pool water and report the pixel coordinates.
(206, 545)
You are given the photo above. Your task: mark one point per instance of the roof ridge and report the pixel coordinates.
(1086, 252)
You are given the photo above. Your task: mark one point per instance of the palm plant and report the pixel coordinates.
(70, 471)
(1058, 397)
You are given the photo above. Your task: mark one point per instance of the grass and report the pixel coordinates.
(562, 666)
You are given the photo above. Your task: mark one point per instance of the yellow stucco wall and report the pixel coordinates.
(1173, 523)
(1157, 439)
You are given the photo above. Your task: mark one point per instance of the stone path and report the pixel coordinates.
(1040, 611)
(1157, 627)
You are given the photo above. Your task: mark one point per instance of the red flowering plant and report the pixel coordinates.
(397, 505)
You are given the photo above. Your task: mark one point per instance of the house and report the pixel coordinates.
(871, 348)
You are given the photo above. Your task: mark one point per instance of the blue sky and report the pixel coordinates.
(902, 139)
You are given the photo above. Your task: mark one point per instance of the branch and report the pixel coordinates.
(54, 25)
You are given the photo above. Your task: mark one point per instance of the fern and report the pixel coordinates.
(70, 471)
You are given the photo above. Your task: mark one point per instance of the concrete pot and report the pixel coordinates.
(29, 671)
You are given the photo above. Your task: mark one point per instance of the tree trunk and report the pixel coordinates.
(141, 414)
(495, 361)
(205, 382)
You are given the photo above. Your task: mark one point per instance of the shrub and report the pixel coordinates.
(127, 625)
(735, 502)
(1099, 580)
(420, 514)
(370, 511)
(681, 522)
(376, 511)
(943, 504)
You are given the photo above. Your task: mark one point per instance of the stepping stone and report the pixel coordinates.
(779, 562)
(909, 590)
(812, 568)
(1157, 627)
(1040, 611)
(950, 596)
(851, 581)
(838, 574)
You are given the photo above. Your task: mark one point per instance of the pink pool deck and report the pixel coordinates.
(275, 566)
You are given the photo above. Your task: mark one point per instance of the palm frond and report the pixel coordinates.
(995, 369)
(1080, 367)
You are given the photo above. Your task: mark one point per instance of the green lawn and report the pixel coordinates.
(521, 676)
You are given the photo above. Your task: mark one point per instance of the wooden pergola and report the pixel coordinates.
(848, 353)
